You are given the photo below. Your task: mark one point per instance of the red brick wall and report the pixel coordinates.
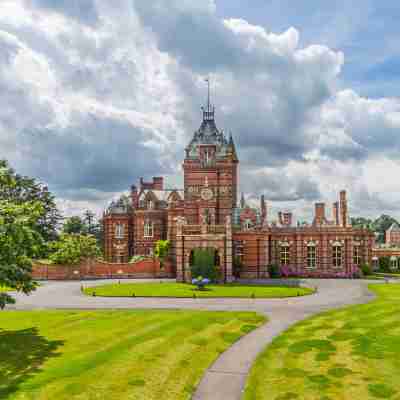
(94, 269)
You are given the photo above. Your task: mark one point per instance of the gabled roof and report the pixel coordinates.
(394, 227)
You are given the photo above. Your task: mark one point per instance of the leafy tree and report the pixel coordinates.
(203, 264)
(85, 225)
(20, 240)
(384, 264)
(25, 189)
(71, 249)
(162, 250)
(361, 222)
(75, 225)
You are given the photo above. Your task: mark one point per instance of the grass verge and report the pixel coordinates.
(113, 355)
(348, 354)
(182, 290)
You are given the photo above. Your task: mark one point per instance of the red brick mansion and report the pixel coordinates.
(206, 214)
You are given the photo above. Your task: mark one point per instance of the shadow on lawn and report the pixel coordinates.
(22, 353)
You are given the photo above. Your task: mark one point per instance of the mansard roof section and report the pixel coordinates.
(209, 134)
(121, 206)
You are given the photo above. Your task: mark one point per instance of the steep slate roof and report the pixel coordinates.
(208, 133)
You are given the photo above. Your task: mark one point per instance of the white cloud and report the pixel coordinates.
(93, 99)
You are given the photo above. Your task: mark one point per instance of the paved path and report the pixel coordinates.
(225, 379)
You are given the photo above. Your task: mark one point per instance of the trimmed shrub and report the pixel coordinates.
(384, 264)
(274, 271)
(366, 269)
(237, 266)
(203, 264)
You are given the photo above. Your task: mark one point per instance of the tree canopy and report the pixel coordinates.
(20, 238)
(27, 190)
(71, 249)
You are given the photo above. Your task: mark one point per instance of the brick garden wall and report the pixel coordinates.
(95, 269)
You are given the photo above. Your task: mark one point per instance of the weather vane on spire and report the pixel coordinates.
(208, 114)
(208, 93)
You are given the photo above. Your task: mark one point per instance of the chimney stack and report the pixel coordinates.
(280, 217)
(335, 212)
(343, 209)
(134, 197)
(319, 218)
(263, 210)
(287, 218)
(158, 183)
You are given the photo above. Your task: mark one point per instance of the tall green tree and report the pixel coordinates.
(20, 240)
(75, 225)
(25, 189)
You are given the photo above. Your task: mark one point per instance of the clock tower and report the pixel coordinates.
(210, 174)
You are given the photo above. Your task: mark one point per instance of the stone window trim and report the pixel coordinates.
(120, 231)
(148, 229)
(311, 262)
(284, 254)
(337, 255)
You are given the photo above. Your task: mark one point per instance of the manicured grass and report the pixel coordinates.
(186, 290)
(5, 289)
(113, 355)
(349, 354)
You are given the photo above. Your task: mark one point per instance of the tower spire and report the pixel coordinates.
(208, 93)
(208, 113)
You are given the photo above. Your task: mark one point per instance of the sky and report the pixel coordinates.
(96, 94)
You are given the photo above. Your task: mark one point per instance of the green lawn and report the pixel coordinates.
(5, 289)
(113, 355)
(186, 290)
(349, 354)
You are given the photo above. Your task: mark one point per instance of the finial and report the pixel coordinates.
(242, 201)
(208, 93)
(208, 113)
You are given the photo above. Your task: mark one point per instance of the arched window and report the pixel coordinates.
(148, 229)
(285, 254)
(311, 256)
(150, 204)
(119, 231)
(337, 256)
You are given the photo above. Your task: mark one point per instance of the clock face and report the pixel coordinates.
(207, 194)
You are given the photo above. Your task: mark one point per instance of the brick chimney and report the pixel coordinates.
(263, 210)
(319, 218)
(343, 208)
(134, 196)
(335, 213)
(287, 218)
(158, 183)
(280, 217)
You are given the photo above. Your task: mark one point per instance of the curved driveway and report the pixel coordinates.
(226, 377)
